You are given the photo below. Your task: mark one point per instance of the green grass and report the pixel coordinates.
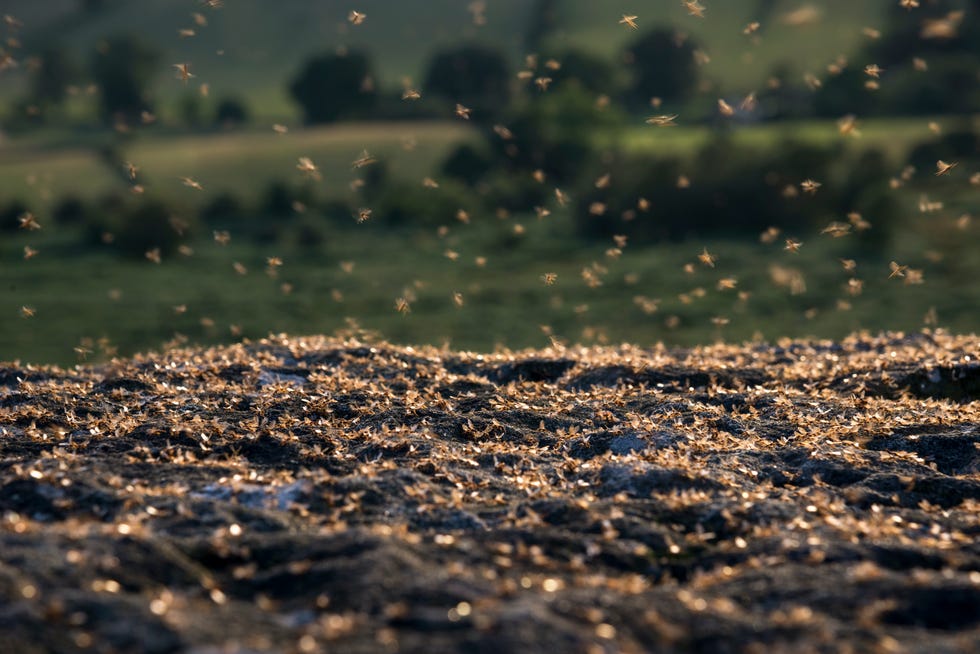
(42, 168)
(238, 162)
(251, 52)
(739, 63)
(79, 293)
(82, 294)
(894, 136)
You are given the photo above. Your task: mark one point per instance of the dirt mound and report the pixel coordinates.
(324, 495)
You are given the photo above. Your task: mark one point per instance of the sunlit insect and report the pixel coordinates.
(942, 167)
(27, 312)
(279, 129)
(191, 183)
(849, 265)
(549, 278)
(837, 229)
(873, 70)
(463, 112)
(770, 235)
(694, 8)
(154, 255)
(909, 4)
(307, 167)
(751, 28)
(707, 258)
(897, 270)
(411, 94)
(725, 109)
(132, 170)
(629, 21)
(503, 132)
(662, 121)
(847, 126)
(356, 17)
(793, 245)
(30, 253)
(810, 186)
(27, 221)
(364, 160)
(363, 215)
(184, 71)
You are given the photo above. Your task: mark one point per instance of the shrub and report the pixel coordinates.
(10, 215)
(224, 211)
(663, 66)
(735, 193)
(70, 211)
(147, 225)
(473, 75)
(334, 86)
(404, 204)
(231, 112)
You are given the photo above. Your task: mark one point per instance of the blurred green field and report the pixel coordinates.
(738, 63)
(39, 173)
(40, 169)
(250, 52)
(646, 296)
(79, 293)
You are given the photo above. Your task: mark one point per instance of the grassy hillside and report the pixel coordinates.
(238, 162)
(245, 50)
(739, 63)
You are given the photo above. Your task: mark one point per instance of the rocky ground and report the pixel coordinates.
(307, 495)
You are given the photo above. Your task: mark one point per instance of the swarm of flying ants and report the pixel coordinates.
(542, 75)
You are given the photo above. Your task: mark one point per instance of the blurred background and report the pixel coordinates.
(483, 174)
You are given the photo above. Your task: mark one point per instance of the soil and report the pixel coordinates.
(313, 494)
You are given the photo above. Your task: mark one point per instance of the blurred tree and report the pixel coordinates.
(93, 6)
(231, 112)
(543, 21)
(472, 75)
(589, 71)
(70, 211)
(334, 86)
(845, 93)
(930, 57)
(123, 68)
(50, 81)
(191, 109)
(11, 214)
(663, 66)
(140, 227)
